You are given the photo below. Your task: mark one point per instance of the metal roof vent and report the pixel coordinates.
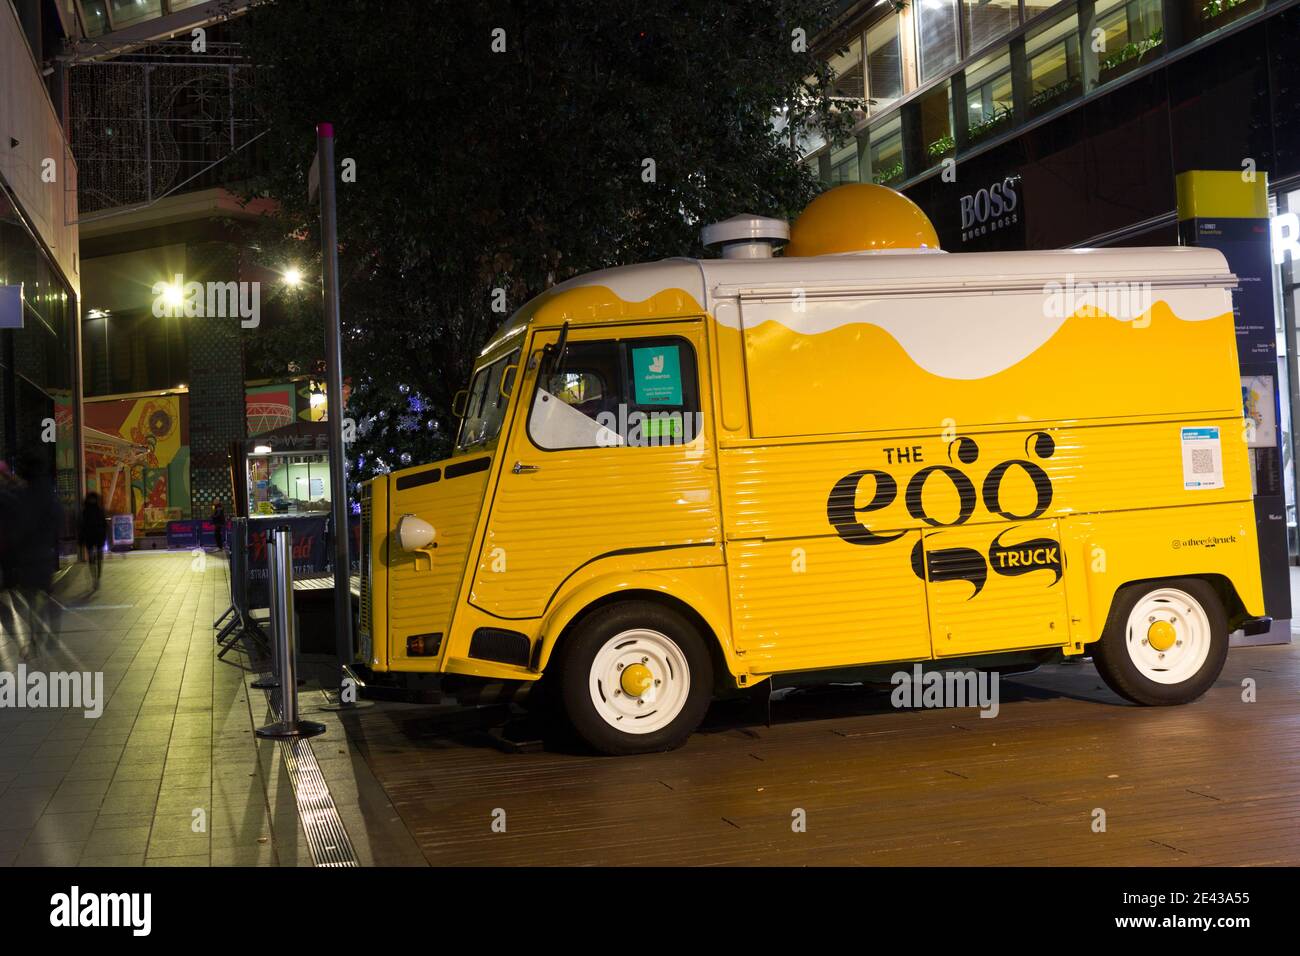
(746, 236)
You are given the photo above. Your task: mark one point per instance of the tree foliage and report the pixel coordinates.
(480, 168)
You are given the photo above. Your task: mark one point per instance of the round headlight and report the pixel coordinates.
(414, 533)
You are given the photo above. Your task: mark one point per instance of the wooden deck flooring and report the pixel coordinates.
(1216, 782)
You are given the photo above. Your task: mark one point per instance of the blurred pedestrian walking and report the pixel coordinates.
(219, 524)
(10, 487)
(92, 535)
(33, 544)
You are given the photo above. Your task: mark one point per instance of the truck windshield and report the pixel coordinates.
(486, 407)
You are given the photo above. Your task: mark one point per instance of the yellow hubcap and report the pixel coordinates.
(1161, 635)
(636, 680)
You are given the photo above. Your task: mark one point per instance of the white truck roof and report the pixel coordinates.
(709, 280)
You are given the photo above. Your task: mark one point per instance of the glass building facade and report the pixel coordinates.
(950, 76)
(37, 361)
(1080, 116)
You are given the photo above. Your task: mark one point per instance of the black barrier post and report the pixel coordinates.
(280, 564)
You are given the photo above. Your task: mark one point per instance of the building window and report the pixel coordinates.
(884, 63)
(989, 102)
(886, 152)
(807, 138)
(844, 165)
(1034, 7)
(988, 20)
(934, 117)
(133, 352)
(1133, 35)
(846, 68)
(95, 17)
(289, 483)
(936, 36)
(1201, 17)
(127, 12)
(1055, 76)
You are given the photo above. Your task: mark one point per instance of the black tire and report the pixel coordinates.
(577, 655)
(1122, 675)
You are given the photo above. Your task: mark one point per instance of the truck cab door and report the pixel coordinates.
(610, 460)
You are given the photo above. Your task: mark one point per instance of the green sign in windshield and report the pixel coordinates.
(657, 375)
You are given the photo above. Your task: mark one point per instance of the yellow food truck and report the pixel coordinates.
(688, 477)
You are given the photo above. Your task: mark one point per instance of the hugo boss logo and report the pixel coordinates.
(990, 208)
(847, 517)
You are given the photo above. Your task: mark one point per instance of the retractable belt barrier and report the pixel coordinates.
(242, 624)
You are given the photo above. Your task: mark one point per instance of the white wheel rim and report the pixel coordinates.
(658, 705)
(1182, 660)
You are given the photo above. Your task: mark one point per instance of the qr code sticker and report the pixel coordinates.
(1202, 461)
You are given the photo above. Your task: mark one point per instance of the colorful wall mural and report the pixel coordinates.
(138, 457)
(268, 407)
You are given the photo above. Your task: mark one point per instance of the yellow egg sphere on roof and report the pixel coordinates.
(858, 217)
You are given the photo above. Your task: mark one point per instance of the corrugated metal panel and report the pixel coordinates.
(584, 504)
(364, 617)
(782, 490)
(979, 603)
(421, 600)
(821, 602)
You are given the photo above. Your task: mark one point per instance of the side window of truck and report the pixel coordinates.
(618, 392)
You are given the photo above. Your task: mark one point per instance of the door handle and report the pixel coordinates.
(521, 469)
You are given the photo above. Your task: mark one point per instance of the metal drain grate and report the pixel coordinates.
(327, 839)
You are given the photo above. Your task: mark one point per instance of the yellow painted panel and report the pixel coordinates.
(731, 372)
(787, 490)
(592, 504)
(1221, 194)
(808, 603)
(995, 588)
(583, 504)
(857, 377)
(374, 574)
(1169, 542)
(421, 599)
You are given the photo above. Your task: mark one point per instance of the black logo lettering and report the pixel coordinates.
(842, 507)
(843, 512)
(965, 492)
(951, 564)
(1037, 554)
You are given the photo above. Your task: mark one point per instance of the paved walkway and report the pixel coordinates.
(170, 772)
